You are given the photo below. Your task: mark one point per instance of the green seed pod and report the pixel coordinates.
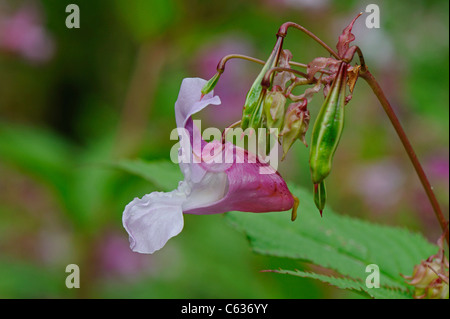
(320, 196)
(256, 118)
(253, 109)
(328, 128)
(209, 86)
(272, 119)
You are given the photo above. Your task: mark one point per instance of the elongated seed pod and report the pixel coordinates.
(320, 196)
(328, 128)
(253, 107)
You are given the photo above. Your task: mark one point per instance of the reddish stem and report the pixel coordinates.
(366, 75)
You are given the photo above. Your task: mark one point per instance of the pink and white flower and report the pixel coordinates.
(209, 187)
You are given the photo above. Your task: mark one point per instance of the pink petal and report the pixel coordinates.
(239, 181)
(252, 186)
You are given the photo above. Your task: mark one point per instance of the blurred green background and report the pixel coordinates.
(74, 99)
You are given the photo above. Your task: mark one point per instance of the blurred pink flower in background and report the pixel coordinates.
(299, 4)
(438, 168)
(380, 184)
(116, 259)
(22, 33)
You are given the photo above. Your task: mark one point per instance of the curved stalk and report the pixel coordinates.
(361, 60)
(282, 31)
(300, 65)
(224, 60)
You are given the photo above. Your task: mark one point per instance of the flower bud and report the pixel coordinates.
(428, 284)
(274, 103)
(296, 122)
(209, 86)
(430, 277)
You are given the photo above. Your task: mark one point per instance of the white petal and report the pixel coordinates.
(189, 100)
(190, 168)
(153, 220)
(212, 188)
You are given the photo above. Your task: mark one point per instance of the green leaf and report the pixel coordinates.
(163, 174)
(25, 280)
(41, 153)
(350, 284)
(60, 166)
(344, 244)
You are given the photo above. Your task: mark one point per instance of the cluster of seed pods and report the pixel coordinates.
(266, 105)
